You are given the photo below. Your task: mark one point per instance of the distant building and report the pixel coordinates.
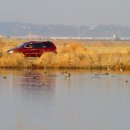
(33, 36)
(116, 37)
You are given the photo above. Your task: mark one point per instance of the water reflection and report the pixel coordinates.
(26, 97)
(47, 100)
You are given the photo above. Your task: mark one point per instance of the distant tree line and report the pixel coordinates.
(21, 29)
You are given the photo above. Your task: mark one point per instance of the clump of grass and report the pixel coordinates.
(71, 55)
(16, 60)
(114, 61)
(68, 56)
(73, 48)
(48, 59)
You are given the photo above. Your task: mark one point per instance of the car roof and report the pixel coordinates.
(39, 41)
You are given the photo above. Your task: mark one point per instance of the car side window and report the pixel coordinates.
(29, 45)
(46, 45)
(37, 45)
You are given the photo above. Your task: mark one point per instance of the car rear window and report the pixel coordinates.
(37, 45)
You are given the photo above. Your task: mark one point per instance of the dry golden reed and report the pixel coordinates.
(13, 61)
(71, 54)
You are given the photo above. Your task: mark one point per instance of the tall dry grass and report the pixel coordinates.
(71, 54)
(13, 61)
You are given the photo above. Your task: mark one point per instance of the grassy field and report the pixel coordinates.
(89, 54)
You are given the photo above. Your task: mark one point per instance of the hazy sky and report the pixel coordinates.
(68, 12)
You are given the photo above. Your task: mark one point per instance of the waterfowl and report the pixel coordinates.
(106, 73)
(4, 77)
(67, 76)
(126, 81)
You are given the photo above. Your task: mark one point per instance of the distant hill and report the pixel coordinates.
(22, 29)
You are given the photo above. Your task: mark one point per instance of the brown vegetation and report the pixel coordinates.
(71, 54)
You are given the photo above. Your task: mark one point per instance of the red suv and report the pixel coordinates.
(34, 48)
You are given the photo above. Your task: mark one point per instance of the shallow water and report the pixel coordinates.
(49, 100)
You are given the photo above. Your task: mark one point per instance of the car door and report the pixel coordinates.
(28, 50)
(38, 49)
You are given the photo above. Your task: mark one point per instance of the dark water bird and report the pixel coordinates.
(4, 77)
(126, 81)
(43, 84)
(34, 77)
(97, 74)
(33, 85)
(106, 73)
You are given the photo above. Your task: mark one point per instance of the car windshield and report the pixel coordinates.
(21, 45)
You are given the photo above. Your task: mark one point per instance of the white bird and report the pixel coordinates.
(121, 70)
(108, 67)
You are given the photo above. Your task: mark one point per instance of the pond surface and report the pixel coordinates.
(64, 100)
